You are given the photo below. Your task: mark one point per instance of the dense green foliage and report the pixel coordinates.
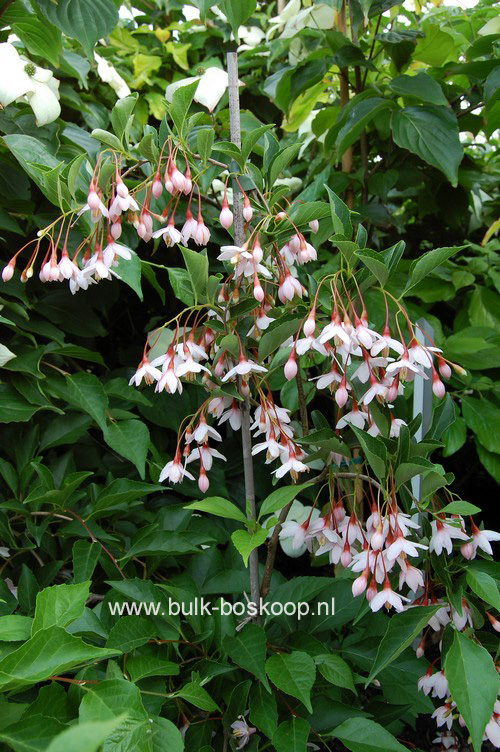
(408, 165)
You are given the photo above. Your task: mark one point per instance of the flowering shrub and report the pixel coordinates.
(284, 365)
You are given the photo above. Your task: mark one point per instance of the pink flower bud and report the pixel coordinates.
(467, 551)
(314, 225)
(341, 395)
(157, 188)
(258, 293)
(437, 386)
(393, 391)
(169, 186)
(310, 325)
(280, 216)
(8, 271)
(93, 200)
(359, 584)
(377, 540)
(226, 217)
(121, 188)
(247, 209)
(346, 557)
(203, 482)
(444, 368)
(177, 179)
(116, 230)
(372, 590)
(420, 649)
(291, 367)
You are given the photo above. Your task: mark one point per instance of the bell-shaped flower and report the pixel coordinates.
(211, 88)
(22, 78)
(243, 368)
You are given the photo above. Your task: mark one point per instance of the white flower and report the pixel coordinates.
(294, 530)
(387, 596)
(355, 418)
(411, 575)
(204, 431)
(492, 731)
(212, 85)
(207, 454)
(386, 343)
(174, 472)
(291, 465)
(145, 371)
(109, 75)
(244, 366)
(306, 343)
(402, 544)
(376, 390)
(443, 715)
(170, 235)
(116, 249)
(4, 552)
(233, 415)
(242, 731)
(422, 354)
(21, 78)
(481, 539)
(402, 367)
(442, 534)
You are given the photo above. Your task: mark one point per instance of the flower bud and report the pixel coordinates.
(437, 386)
(314, 225)
(372, 590)
(226, 217)
(444, 368)
(421, 648)
(377, 540)
(93, 200)
(280, 216)
(157, 188)
(467, 551)
(116, 229)
(346, 556)
(247, 209)
(121, 188)
(310, 325)
(291, 367)
(8, 271)
(359, 584)
(177, 179)
(203, 482)
(458, 369)
(341, 395)
(258, 292)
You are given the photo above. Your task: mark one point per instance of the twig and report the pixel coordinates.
(96, 540)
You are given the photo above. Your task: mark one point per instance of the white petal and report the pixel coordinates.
(44, 104)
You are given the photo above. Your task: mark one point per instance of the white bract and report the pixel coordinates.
(22, 79)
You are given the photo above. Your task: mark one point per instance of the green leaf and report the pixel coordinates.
(14, 628)
(435, 47)
(181, 102)
(130, 438)
(107, 138)
(238, 13)
(31, 733)
(252, 138)
(86, 392)
(280, 498)
(197, 267)
(484, 586)
(483, 417)
(81, 20)
(204, 143)
(335, 670)
(294, 674)
(181, 285)
(245, 542)
(460, 507)
(375, 263)
(281, 160)
(59, 605)
(14, 409)
(194, 693)
(360, 114)
(400, 633)
(421, 267)
(36, 161)
(375, 451)
(292, 735)
(141, 666)
(107, 701)
(129, 271)
(121, 113)
(341, 215)
(85, 737)
(40, 38)
(130, 632)
(421, 87)
(431, 133)
(248, 650)
(473, 684)
(120, 492)
(273, 338)
(85, 557)
(220, 507)
(49, 652)
(263, 710)
(363, 735)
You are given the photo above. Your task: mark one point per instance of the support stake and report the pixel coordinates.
(239, 237)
